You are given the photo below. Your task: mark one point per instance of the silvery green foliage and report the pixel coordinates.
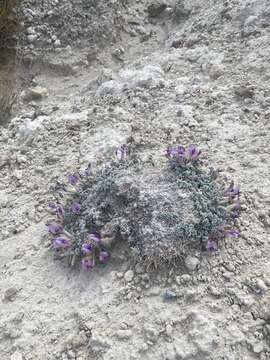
(163, 212)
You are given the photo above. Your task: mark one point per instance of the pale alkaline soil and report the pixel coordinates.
(210, 88)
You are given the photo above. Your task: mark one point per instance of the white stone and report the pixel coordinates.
(129, 275)
(261, 285)
(191, 263)
(16, 356)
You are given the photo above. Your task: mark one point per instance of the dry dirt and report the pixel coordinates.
(196, 72)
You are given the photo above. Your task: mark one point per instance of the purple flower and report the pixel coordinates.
(61, 243)
(87, 264)
(233, 191)
(181, 150)
(234, 215)
(103, 256)
(88, 171)
(211, 245)
(52, 205)
(168, 152)
(234, 233)
(121, 152)
(73, 178)
(54, 228)
(87, 248)
(193, 153)
(237, 205)
(76, 208)
(57, 208)
(177, 153)
(95, 237)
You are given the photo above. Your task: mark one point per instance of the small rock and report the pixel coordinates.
(228, 275)
(123, 334)
(191, 263)
(30, 31)
(214, 291)
(98, 343)
(151, 332)
(71, 354)
(139, 269)
(156, 8)
(32, 38)
(261, 285)
(129, 275)
(216, 71)
(16, 356)
(258, 348)
(186, 278)
(245, 91)
(169, 330)
(35, 93)
(10, 294)
(119, 275)
(57, 43)
(169, 295)
(75, 119)
(180, 10)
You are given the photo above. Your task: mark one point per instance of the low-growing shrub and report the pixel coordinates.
(165, 212)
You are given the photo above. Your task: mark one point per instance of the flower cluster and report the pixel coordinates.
(183, 155)
(182, 158)
(193, 208)
(89, 248)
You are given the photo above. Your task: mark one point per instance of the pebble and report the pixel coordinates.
(129, 275)
(151, 332)
(71, 354)
(16, 356)
(258, 348)
(169, 295)
(156, 8)
(245, 91)
(227, 275)
(36, 93)
(169, 330)
(123, 334)
(31, 38)
(10, 294)
(186, 278)
(191, 263)
(261, 285)
(119, 275)
(214, 291)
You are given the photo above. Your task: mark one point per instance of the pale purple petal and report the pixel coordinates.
(87, 264)
(121, 152)
(211, 245)
(88, 171)
(234, 233)
(57, 208)
(103, 256)
(61, 242)
(193, 153)
(60, 210)
(54, 228)
(233, 191)
(73, 179)
(95, 237)
(87, 248)
(76, 208)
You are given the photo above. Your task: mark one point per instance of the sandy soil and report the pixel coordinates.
(196, 72)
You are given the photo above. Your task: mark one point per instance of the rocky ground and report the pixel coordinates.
(172, 72)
